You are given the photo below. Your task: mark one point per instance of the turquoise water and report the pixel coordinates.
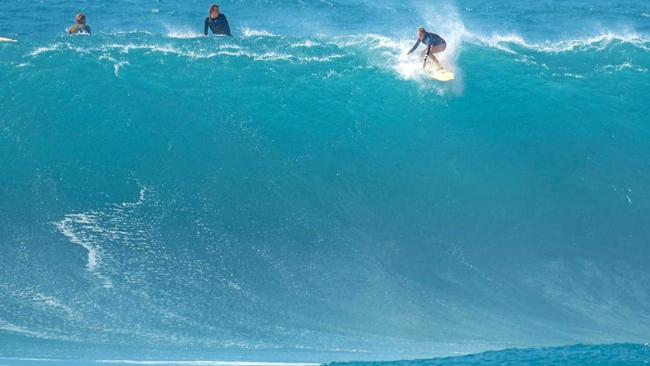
(301, 192)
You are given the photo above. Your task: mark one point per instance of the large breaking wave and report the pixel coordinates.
(288, 197)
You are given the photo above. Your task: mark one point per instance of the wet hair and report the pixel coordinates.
(80, 18)
(213, 8)
(421, 29)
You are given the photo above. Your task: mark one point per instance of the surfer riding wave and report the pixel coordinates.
(435, 44)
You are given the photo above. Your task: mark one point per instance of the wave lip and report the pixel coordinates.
(114, 51)
(596, 42)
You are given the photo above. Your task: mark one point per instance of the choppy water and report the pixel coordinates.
(301, 192)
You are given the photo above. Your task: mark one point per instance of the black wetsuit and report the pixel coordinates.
(218, 25)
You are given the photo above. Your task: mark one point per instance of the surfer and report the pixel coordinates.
(80, 26)
(435, 44)
(216, 22)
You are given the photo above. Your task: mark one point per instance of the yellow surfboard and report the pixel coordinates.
(439, 73)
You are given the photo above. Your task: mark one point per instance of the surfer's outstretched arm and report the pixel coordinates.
(414, 47)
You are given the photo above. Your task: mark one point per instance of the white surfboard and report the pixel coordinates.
(3, 39)
(440, 74)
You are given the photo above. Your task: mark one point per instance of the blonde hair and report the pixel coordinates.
(80, 18)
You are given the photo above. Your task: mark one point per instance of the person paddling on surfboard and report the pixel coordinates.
(435, 44)
(80, 26)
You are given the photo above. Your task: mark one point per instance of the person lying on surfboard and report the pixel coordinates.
(80, 26)
(435, 44)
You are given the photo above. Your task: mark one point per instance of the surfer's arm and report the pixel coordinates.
(414, 47)
(205, 27)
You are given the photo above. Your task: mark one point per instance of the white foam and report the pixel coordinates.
(57, 47)
(385, 51)
(67, 228)
(270, 56)
(90, 229)
(257, 33)
(390, 54)
(305, 44)
(130, 32)
(624, 66)
(142, 195)
(183, 33)
(229, 46)
(327, 58)
(234, 286)
(54, 303)
(232, 53)
(13, 328)
(575, 76)
(41, 50)
(117, 65)
(593, 42)
(500, 42)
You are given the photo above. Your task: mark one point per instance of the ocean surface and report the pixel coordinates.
(300, 192)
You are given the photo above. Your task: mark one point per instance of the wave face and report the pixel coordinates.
(301, 193)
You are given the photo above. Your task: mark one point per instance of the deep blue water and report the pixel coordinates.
(301, 192)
